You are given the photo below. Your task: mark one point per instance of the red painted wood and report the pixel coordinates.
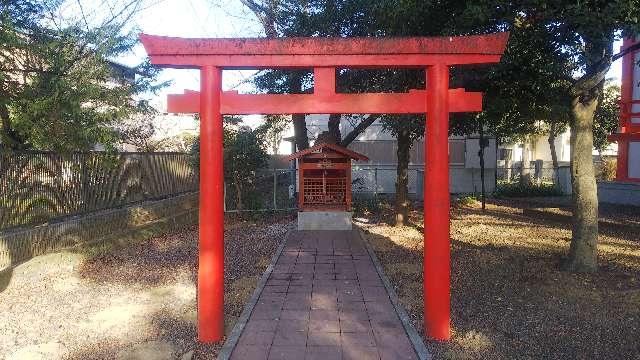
(323, 54)
(622, 169)
(491, 44)
(336, 180)
(332, 147)
(211, 240)
(300, 188)
(349, 189)
(368, 103)
(627, 131)
(624, 136)
(240, 62)
(324, 80)
(626, 89)
(314, 165)
(436, 207)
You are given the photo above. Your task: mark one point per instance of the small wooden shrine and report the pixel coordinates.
(324, 178)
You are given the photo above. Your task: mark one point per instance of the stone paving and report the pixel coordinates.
(324, 300)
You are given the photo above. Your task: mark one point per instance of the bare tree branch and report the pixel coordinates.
(592, 79)
(265, 15)
(362, 126)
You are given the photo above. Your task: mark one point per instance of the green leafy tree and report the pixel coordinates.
(272, 130)
(585, 31)
(58, 88)
(243, 156)
(607, 116)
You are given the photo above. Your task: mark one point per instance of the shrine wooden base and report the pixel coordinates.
(324, 220)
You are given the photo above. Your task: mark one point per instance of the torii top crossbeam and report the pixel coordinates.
(324, 56)
(333, 52)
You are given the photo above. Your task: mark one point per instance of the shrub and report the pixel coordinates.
(608, 169)
(517, 189)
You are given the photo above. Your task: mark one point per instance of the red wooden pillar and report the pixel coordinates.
(436, 205)
(626, 108)
(622, 170)
(211, 243)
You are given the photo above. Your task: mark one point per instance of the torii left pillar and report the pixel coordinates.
(211, 243)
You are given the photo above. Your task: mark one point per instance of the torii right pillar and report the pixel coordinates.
(628, 136)
(436, 263)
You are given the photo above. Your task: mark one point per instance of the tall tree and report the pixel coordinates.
(291, 18)
(585, 31)
(57, 78)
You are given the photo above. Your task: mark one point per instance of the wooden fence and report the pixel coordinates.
(38, 187)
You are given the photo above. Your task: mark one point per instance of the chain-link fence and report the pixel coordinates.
(380, 179)
(276, 189)
(272, 189)
(546, 175)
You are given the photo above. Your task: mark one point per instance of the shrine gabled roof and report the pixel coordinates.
(337, 148)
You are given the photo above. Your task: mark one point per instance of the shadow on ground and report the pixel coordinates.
(172, 337)
(5, 279)
(509, 298)
(133, 296)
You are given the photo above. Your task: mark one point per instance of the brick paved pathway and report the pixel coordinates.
(324, 300)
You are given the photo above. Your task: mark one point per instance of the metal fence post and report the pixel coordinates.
(275, 186)
(375, 182)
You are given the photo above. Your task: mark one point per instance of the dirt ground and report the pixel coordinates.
(138, 301)
(510, 300)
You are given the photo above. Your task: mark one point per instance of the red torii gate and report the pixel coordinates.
(324, 55)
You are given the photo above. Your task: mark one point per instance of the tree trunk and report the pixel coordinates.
(525, 171)
(481, 156)
(300, 131)
(552, 148)
(583, 251)
(554, 154)
(8, 137)
(359, 129)
(586, 92)
(334, 127)
(402, 183)
(239, 199)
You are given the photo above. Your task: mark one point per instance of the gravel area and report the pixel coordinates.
(138, 301)
(510, 300)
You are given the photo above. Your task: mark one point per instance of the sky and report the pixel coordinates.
(194, 18)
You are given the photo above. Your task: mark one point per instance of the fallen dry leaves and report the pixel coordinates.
(510, 300)
(94, 306)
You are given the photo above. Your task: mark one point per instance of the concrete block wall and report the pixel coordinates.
(622, 193)
(23, 244)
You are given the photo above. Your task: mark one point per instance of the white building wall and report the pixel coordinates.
(634, 159)
(539, 148)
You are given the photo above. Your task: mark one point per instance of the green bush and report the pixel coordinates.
(517, 189)
(466, 200)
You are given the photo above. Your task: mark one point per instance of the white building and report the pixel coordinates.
(537, 148)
